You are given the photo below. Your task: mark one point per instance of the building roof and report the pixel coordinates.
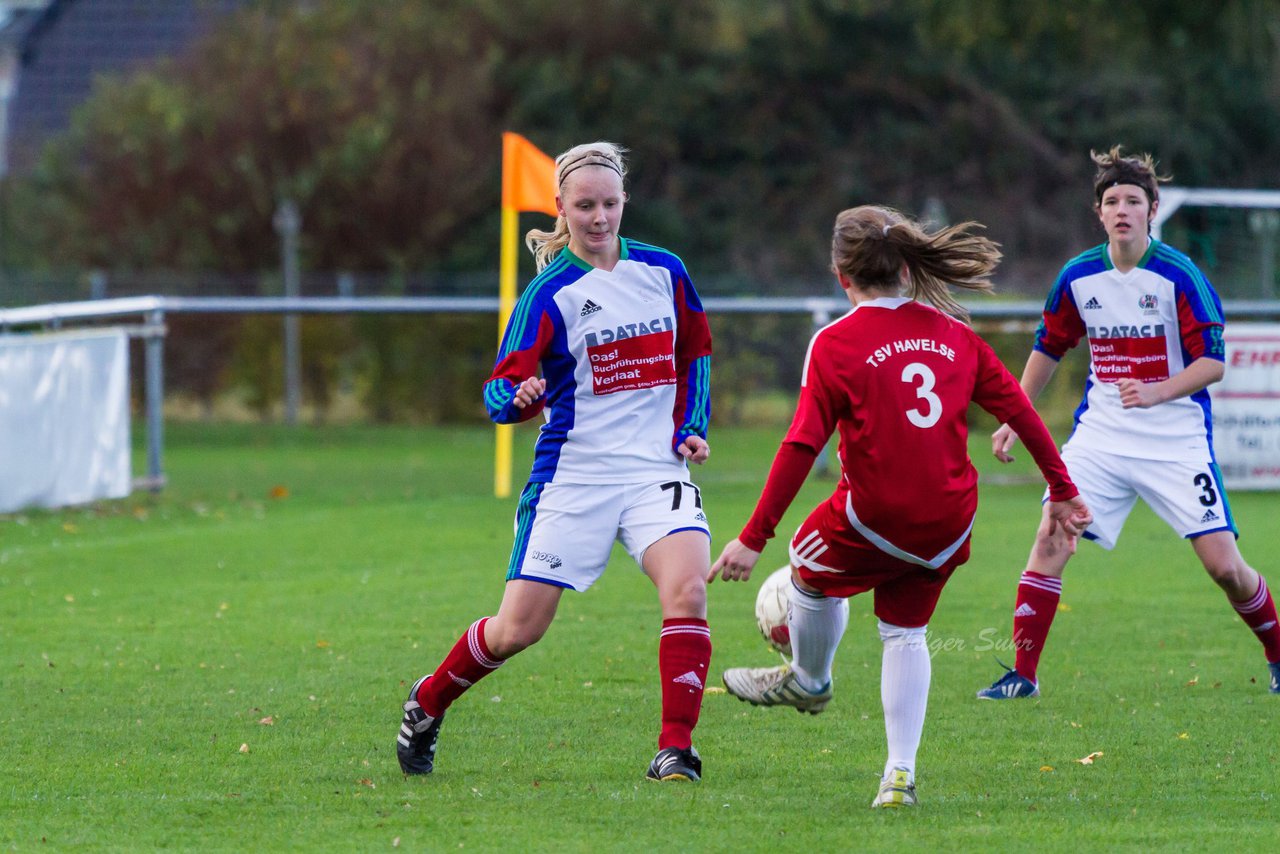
(64, 46)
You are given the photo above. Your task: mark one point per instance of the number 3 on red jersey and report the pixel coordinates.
(931, 408)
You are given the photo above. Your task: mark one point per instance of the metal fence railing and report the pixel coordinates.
(144, 318)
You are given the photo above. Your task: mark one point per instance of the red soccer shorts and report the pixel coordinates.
(835, 559)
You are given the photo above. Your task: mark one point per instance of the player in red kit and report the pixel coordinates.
(894, 377)
(1153, 326)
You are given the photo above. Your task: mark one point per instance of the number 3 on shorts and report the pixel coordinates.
(1209, 496)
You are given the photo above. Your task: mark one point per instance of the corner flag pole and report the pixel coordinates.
(506, 303)
(528, 184)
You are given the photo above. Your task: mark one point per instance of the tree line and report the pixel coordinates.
(750, 124)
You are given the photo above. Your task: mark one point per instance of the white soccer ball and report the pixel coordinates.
(772, 604)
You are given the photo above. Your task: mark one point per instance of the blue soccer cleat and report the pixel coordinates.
(1011, 686)
(1275, 676)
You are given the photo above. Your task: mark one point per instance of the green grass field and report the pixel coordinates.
(221, 667)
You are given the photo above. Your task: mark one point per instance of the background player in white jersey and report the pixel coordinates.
(1144, 429)
(895, 377)
(624, 350)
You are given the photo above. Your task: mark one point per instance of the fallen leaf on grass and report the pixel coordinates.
(1088, 760)
(1046, 767)
(244, 748)
(70, 527)
(365, 781)
(715, 689)
(1194, 680)
(322, 644)
(269, 720)
(279, 491)
(395, 843)
(1184, 736)
(1063, 606)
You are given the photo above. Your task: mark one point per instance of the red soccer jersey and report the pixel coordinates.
(895, 377)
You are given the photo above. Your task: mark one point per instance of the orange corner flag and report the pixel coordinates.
(528, 176)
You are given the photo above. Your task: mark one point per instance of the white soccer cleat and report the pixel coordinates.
(774, 686)
(897, 790)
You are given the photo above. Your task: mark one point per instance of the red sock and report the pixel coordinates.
(466, 664)
(1033, 614)
(1260, 615)
(684, 654)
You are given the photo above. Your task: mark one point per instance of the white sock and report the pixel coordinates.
(904, 691)
(816, 623)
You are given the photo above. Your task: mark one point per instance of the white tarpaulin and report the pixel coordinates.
(64, 418)
(1246, 407)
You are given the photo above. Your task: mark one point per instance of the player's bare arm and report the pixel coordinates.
(529, 391)
(1035, 376)
(1203, 372)
(735, 562)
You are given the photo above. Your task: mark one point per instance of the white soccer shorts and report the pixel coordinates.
(1189, 497)
(564, 532)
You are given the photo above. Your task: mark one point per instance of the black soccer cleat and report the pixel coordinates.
(676, 764)
(416, 743)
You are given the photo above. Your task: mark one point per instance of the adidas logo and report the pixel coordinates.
(689, 678)
(1024, 610)
(1093, 303)
(1265, 627)
(1209, 516)
(588, 307)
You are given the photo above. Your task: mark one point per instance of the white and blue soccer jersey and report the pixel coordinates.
(1147, 324)
(626, 355)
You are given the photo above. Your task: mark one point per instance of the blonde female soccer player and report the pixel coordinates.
(624, 349)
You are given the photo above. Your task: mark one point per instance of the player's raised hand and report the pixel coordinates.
(529, 391)
(735, 562)
(694, 449)
(1001, 441)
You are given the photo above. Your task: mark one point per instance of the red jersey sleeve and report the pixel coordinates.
(995, 389)
(999, 393)
(816, 415)
(790, 467)
(1039, 443)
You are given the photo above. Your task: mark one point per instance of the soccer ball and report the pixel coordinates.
(772, 603)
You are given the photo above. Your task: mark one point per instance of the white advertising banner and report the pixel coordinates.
(64, 418)
(1246, 407)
